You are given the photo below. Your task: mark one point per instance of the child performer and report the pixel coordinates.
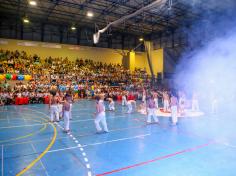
(151, 109)
(100, 115)
(130, 106)
(174, 109)
(66, 115)
(111, 104)
(124, 100)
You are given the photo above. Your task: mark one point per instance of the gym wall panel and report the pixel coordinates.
(157, 61)
(141, 61)
(132, 60)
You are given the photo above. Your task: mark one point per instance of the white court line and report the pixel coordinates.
(88, 166)
(99, 143)
(32, 145)
(2, 161)
(69, 148)
(116, 140)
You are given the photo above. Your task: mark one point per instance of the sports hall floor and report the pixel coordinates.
(198, 146)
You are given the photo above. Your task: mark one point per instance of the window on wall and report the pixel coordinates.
(6, 30)
(36, 34)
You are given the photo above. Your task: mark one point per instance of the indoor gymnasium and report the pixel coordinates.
(117, 88)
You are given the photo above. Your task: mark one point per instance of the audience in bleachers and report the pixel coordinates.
(83, 77)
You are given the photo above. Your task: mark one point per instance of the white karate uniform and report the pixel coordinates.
(130, 108)
(156, 102)
(60, 109)
(144, 99)
(214, 106)
(124, 100)
(101, 117)
(174, 114)
(70, 114)
(181, 103)
(54, 113)
(66, 120)
(166, 105)
(152, 113)
(112, 106)
(195, 105)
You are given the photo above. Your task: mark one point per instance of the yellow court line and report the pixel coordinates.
(42, 154)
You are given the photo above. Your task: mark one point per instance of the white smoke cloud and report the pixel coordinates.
(210, 67)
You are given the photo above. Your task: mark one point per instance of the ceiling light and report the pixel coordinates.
(141, 39)
(90, 14)
(26, 20)
(33, 3)
(73, 28)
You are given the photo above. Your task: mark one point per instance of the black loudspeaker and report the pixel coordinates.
(159, 76)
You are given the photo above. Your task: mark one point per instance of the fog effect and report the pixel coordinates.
(209, 68)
